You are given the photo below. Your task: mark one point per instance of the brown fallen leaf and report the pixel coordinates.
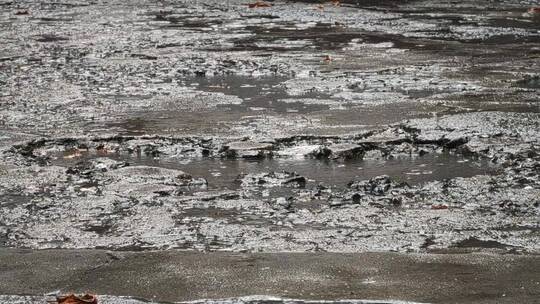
(102, 151)
(535, 10)
(259, 4)
(336, 3)
(75, 299)
(439, 207)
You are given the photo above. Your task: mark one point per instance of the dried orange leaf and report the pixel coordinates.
(534, 10)
(259, 4)
(74, 299)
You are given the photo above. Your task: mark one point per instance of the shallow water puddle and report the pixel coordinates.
(414, 170)
(224, 173)
(9, 201)
(257, 93)
(319, 36)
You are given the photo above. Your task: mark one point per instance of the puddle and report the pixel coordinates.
(257, 93)
(170, 19)
(213, 212)
(414, 170)
(532, 82)
(232, 216)
(289, 37)
(216, 122)
(9, 201)
(223, 173)
(173, 122)
(46, 20)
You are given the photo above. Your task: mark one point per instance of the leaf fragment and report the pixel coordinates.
(76, 299)
(259, 4)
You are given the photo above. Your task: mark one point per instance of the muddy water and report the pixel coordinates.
(249, 100)
(257, 93)
(225, 173)
(240, 98)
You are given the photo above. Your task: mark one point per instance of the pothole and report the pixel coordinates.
(223, 174)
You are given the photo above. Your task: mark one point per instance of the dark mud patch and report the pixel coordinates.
(50, 38)
(46, 20)
(473, 242)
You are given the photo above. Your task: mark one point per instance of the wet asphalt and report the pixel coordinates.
(182, 276)
(184, 150)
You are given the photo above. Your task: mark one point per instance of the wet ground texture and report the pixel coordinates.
(313, 278)
(403, 126)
